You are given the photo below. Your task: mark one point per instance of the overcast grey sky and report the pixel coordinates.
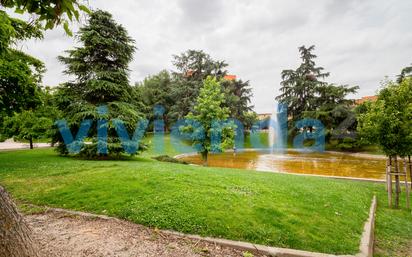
(359, 42)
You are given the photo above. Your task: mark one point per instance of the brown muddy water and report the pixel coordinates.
(330, 164)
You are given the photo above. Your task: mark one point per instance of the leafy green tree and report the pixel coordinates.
(35, 123)
(299, 87)
(249, 118)
(100, 68)
(20, 74)
(28, 125)
(210, 113)
(192, 67)
(388, 123)
(49, 12)
(156, 90)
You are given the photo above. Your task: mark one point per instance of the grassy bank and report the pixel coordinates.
(274, 209)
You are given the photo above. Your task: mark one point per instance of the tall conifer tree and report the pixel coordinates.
(100, 68)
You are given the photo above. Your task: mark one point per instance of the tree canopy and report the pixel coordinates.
(49, 13)
(238, 99)
(388, 121)
(20, 73)
(100, 67)
(177, 91)
(209, 114)
(192, 67)
(299, 87)
(308, 95)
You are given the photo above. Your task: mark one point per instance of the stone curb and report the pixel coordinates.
(245, 246)
(365, 247)
(367, 239)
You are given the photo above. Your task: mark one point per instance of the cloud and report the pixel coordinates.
(359, 42)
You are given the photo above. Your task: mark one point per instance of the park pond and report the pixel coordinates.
(326, 163)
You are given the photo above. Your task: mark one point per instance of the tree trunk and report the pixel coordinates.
(204, 158)
(389, 181)
(31, 142)
(405, 169)
(397, 183)
(410, 169)
(15, 235)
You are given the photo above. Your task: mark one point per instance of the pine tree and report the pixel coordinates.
(299, 87)
(100, 68)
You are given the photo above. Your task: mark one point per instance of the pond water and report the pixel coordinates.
(330, 164)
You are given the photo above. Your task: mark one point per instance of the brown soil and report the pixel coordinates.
(64, 235)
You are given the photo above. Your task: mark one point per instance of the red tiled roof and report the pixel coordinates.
(372, 98)
(230, 77)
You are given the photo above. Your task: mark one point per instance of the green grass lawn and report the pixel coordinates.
(281, 210)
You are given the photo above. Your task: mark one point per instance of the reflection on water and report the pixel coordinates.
(331, 164)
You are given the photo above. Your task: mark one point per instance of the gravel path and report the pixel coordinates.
(67, 235)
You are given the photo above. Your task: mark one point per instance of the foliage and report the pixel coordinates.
(307, 96)
(100, 67)
(208, 111)
(20, 74)
(345, 144)
(405, 73)
(299, 87)
(28, 125)
(388, 121)
(332, 107)
(49, 12)
(34, 123)
(238, 97)
(156, 90)
(192, 67)
(177, 92)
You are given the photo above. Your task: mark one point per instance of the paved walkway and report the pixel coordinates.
(9, 144)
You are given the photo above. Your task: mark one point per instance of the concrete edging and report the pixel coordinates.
(365, 247)
(368, 237)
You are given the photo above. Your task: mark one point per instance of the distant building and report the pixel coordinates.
(263, 116)
(372, 98)
(189, 73)
(230, 77)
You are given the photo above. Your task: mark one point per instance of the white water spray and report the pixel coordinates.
(275, 138)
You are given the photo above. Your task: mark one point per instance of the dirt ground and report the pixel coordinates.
(64, 235)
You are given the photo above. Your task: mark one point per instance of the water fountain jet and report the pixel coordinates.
(277, 135)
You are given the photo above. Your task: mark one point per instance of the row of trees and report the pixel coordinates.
(100, 91)
(99, 67)
(386, 122)
(178, 90)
